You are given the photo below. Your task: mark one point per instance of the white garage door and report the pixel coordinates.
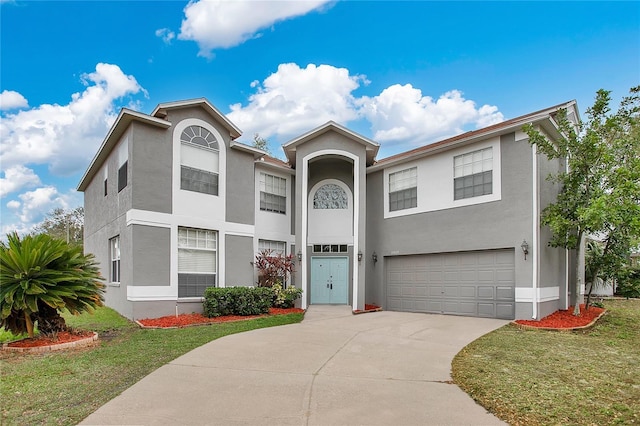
(476, 283)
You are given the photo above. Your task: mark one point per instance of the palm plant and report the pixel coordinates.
(39, 276)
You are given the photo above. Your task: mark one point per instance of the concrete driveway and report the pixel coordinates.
(334, 368)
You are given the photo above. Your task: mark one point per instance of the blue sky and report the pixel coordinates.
(402, 73)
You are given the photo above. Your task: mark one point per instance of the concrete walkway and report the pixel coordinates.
(334, 368)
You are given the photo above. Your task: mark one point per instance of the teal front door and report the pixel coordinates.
(330, 280)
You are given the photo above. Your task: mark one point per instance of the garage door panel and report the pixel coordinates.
(478, 283)
(486, 292)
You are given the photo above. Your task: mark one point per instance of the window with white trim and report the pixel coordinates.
(197, 261)
(273, 193)
(403, 189)
(473, 174)
(199, 160)
(330, 248)
(114, 254)
(276, 247)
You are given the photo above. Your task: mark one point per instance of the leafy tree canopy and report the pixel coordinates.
(67, 225)
(600, 195)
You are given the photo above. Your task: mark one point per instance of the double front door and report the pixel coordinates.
(330, 280)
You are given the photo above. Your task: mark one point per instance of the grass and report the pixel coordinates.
(62, 388)
(533, 377)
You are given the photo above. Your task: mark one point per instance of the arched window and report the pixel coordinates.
(199, 158)
(331, 197)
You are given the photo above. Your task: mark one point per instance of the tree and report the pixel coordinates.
(273, 268)
(600, 191)
(261, 143)
(40, 276)
(67, 225)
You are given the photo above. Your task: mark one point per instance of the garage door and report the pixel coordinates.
(477, 283)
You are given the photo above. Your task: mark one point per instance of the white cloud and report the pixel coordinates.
(16, 178)
(402, 115)
(34, 206)
(222, 24)
(166, 35)
(66, 136)
(10, 99)
(294, 100)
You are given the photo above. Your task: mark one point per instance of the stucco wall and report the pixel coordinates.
(239, 255)
(151, 255)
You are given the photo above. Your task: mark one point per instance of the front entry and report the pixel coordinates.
(330, 280)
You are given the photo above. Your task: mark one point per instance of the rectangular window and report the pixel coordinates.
(273, 193)
(330, 248)
(114, 250)
(473, 174)
(197, 261)
(122, 176)
(276, 247)
(105, 187)
(403, 189)
(198, 180)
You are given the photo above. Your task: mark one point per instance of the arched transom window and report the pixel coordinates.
(331, 197)
(199, 136)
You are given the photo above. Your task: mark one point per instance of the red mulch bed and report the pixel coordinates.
(184, 320)
(562, 320)
(62, 337)
(367, 308)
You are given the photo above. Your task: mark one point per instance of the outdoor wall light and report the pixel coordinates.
(299, 256)
(359, 256)
(525, 248)
(374, 257)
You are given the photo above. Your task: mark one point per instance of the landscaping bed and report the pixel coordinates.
(62, 340)
(186, 320)
(565, 320)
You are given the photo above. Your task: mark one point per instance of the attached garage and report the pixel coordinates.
(474, 283)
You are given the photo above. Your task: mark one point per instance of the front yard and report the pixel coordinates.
(64, 387)
(547, 378)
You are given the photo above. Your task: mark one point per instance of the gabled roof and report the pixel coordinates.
(275, 163)
(161, 112)
(544, 118)
(291, 146)
(124, 119)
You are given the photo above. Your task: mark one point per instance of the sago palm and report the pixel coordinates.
(40, 276)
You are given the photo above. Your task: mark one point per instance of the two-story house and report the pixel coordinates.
(173, 205)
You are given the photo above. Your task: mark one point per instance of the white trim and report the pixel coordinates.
(541, 294)
(536, 228)
(155, 292)
(356, 209)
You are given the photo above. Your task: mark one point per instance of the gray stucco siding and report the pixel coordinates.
(240, 196)
(239, 256)
(151, 255)
(151, 168)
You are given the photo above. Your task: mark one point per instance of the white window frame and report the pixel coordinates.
(276, 247)
(475, 163)
(203, 244)
(270, 190)
(401, 182)
(187, 137)
(114, 263)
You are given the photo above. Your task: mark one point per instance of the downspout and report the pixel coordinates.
(534, 234)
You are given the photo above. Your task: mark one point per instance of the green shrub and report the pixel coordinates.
(285, 297)
(237, 301)
(629, 283)
(39, 277)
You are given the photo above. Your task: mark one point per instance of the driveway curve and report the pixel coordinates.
(333, 368)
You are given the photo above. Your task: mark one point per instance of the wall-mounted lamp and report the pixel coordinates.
(525, 248)
(299, 256)
(359, 256)
(374, 257)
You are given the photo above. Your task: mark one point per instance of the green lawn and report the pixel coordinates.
(548, 378)
(62, 388)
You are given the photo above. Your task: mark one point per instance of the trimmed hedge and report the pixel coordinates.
(237, 301)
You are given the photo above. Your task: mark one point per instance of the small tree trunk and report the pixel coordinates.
(50, 322)
(29, 323)
(578, 286)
